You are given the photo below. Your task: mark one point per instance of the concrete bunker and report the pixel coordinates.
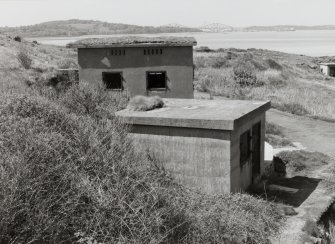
(214, 146)
(328, 69)
(149, 66)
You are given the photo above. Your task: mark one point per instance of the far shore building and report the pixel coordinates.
(214, 146)
(150, 66)
(328, 69)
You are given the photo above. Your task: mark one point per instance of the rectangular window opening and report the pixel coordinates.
(156, 80)
(113, 80)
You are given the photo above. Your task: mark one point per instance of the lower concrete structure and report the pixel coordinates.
(215, 146)
(328, 69)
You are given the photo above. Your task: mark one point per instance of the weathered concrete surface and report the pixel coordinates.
(197, 158)
(242, 178)
(199, 140)
(135, 80)
(206, 114)
(177, 62)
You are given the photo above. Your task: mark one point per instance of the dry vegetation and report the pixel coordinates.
(70, 174)
(292, 82)
(275, 136)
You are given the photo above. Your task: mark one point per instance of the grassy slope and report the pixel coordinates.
(292, 82)
(69, 174)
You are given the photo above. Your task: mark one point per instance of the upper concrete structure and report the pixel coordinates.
(132, 41)
(147, 66)
(205, 114)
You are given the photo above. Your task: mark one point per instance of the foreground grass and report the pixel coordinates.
(73, 175)
(70, 174)
(291, 82)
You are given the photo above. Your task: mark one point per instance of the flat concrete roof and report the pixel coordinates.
(133, 41)
(327, 64)
(190, 113)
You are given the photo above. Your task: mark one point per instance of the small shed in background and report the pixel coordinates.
(328, 69)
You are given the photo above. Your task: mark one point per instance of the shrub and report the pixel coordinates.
(24, 59)
(67, 178)
(244, 75)
(298, 161)
(217, 62)
(67, 63)
(93, 100)
(293, 108)
(273, 64)
(17, 39)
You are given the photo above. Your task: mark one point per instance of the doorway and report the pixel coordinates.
(256, 151)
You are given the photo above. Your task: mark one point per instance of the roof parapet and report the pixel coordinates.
(133, 41)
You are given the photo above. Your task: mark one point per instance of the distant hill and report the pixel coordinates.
(77, 27)
(216, 27)
(288, 28)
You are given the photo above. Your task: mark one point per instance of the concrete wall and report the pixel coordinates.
(198, 158)
(176, 61)
(241, 178)
(324, 69)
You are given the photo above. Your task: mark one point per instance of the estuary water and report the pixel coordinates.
(312, 43)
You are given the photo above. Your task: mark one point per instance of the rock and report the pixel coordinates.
(279, 165)
(17, 39)
(289, 211)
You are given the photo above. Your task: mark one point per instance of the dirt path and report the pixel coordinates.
(313, 134)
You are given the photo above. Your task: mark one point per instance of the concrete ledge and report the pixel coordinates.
(205, 114)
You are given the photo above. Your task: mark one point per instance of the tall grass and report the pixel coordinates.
(69, 175)
(262, 75)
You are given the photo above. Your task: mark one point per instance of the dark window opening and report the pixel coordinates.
(245, 151)
(117, 52)
(156, 80)
(112, 81)
(332, 71)
(152, 51)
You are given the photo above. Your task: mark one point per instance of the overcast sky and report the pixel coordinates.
(160, 12)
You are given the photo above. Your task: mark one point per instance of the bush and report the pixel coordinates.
(93, 100)
(67, 64)
(274, 65)
(293, 108)
(217, 62)
(24, 59)
(298, 161)
(70, 178)
(244, 75)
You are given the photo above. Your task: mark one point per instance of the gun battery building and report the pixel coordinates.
(161, 66)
